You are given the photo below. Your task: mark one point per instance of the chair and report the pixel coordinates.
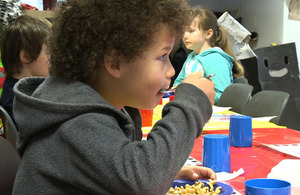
(178, 56)
(9, 163)
(241, 80)
(267, 103)
(10, 130)
(236, 96)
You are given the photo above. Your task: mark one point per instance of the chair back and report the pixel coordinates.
(178, 56)
(267, 103)
(10, 130)
(236, 96)
(240, 80)
(9, 163)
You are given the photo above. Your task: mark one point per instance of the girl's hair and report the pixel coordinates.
(208, 20)
(23, 33)
(85, 31)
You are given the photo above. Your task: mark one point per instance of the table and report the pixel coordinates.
(258, 160)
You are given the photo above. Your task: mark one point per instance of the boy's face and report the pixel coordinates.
(194, 38)
(143, 78)
(40, 67)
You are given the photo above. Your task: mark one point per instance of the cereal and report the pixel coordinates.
(198, 188)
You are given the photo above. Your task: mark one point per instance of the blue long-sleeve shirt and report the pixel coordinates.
(213, 61)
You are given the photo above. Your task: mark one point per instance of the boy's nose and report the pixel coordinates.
(171, 71)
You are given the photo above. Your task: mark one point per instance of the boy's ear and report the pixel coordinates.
(111, 63)
(24, 57)
(209, 33)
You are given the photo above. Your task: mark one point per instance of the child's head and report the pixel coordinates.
(22, 42)
(86, 31)
(207, 20)
(120, 48)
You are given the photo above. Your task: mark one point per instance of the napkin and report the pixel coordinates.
(217, 109)
(224, 176)
(288, 170)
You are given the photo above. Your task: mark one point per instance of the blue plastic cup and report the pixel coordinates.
(240, 131)
(216, 152)
(263, 186)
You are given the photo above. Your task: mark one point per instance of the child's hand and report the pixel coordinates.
(196, 172)
(206, 85)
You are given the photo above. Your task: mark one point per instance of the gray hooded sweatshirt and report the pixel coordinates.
(74, 142)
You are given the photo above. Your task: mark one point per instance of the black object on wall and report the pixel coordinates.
(278, 70)
(251, 73)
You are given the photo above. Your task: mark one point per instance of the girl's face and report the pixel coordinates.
(194, 38)
(143, 78)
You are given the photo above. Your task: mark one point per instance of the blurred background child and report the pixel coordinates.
(211, 52)
(9, 9)
(23, 53)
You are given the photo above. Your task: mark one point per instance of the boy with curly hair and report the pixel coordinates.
(80, 128)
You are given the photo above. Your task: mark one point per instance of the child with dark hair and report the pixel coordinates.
(23, 54)
(9, 9)
(80, 128)
(212, 52)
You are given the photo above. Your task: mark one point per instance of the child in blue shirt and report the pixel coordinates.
(211, 52)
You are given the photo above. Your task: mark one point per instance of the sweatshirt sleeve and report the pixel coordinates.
(110, 163)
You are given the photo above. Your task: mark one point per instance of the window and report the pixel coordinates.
(35, 3)
(41, 4)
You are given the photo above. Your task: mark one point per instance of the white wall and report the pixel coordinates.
(264, 17)
(291, 29)
(215, 5)
(269, 18)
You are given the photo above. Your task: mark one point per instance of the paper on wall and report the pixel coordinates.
(238, 35)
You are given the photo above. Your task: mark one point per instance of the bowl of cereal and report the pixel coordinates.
(206, 187)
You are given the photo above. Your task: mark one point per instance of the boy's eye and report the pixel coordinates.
(162, 58)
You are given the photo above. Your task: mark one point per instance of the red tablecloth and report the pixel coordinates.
(258, 160)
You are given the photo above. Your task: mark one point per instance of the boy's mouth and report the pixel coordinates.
(163, 90)
(167, 90)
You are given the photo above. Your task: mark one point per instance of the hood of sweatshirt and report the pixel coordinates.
(217, 52)
(41, 103)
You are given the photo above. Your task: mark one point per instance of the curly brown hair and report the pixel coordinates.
(84, 31)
